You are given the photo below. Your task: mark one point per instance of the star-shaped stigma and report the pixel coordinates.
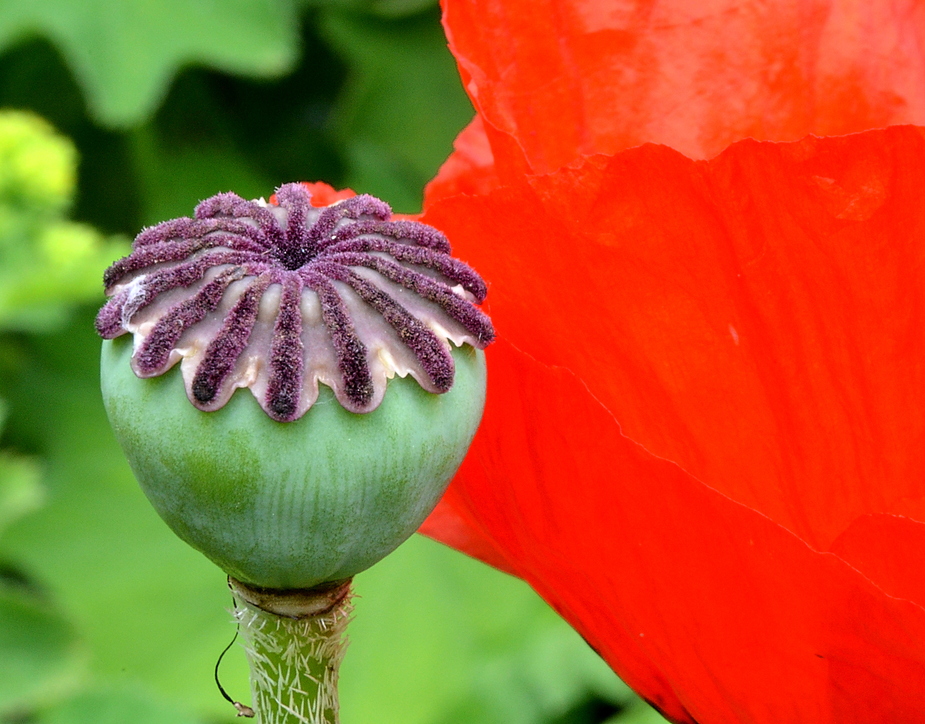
(281, 297)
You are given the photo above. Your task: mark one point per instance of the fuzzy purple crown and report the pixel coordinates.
(280, 298)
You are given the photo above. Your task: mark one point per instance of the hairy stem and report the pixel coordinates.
(294, 641)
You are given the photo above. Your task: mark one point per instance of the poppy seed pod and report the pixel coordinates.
(360, 340)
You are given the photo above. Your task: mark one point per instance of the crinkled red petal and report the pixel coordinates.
(749, 331)
(710, 610)
(561, 78)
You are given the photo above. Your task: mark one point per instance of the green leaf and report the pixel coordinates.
(383, 8)
(20, 488)
(39, 656)
(397, 8)
(46, 262)
(65, 266)
(402, 107)
(637, 713)
(124, 54)
(114, 706)
(175, 177)
(37, 166)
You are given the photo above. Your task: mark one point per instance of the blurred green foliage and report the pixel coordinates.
(124, 54)
(105, 616)
(47, 263)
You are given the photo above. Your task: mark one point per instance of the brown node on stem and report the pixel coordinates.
(294, 603)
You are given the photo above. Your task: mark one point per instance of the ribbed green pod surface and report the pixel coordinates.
(295, 504)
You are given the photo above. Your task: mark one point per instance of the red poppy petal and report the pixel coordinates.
(758, 318)
(570, 77)
(890, 550)
(710, 610)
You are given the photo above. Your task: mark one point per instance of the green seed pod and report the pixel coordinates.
(292, 505)
(359, 339)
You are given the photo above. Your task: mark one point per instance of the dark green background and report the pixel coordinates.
(105, 617)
